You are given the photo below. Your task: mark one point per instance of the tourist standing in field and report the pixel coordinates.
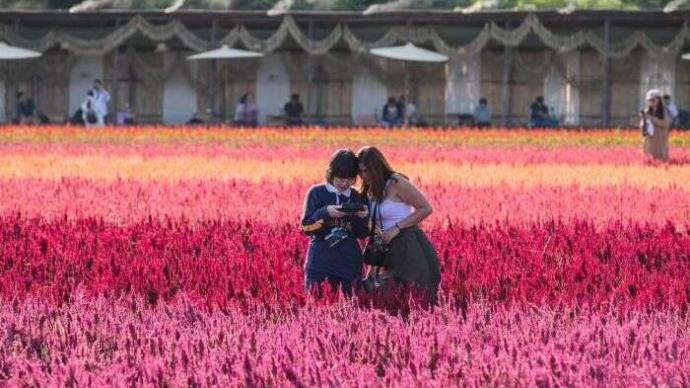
(99, 103)
(397, 208)
(335, 216)
(656, 122)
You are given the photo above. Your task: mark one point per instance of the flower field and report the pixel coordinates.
(158, 256)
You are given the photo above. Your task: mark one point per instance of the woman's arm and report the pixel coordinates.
(316, 215)
(409, 194)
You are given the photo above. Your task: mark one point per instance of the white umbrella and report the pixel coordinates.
(226, 52)
(409, 53)
(8, 52)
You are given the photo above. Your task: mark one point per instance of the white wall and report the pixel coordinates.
(272, 86)
(87, 69)
(179, 98)
(368, 94)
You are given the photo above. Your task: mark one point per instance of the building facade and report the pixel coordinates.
(592, 68)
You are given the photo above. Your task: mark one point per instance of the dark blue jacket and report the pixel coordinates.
(345, 259)
(399, 113)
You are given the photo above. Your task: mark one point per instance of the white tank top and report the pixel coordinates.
(392, 212)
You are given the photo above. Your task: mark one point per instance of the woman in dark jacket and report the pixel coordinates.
(335, 216)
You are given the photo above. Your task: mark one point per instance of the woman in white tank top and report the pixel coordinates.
(397, 209)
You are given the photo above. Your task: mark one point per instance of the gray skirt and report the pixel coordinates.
(412, 259)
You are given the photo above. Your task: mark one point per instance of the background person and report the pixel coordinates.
(334, 254)
(125, 116)
(656, 144)
(88, 113)
(539, 114)
(482, 114)
(293, 111)
(247, 113)
(409, 111)
(26, 109)
(672, 110)
(391, 114)
(99, 103)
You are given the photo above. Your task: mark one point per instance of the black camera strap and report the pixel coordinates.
(375, 212)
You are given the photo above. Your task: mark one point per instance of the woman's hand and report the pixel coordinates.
(334, 211)
(390, 234)
(363, 213)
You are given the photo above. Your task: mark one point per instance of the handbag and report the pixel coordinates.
(376, 249)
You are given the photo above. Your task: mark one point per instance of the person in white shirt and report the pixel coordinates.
(99, 99)
(672, 110)
(410, 114)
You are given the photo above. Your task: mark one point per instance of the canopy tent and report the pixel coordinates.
(8, 52)
(226, 52)
(409, 53)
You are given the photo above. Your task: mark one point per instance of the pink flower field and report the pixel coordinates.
(157, 256)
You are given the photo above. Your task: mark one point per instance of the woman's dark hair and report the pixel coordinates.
(243, 99)
(343, 164)
(380, 171)
(658, 109)
(391, 100)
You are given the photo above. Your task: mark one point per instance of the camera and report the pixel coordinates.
(336, 235)
(378, 246)
(351, 208)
